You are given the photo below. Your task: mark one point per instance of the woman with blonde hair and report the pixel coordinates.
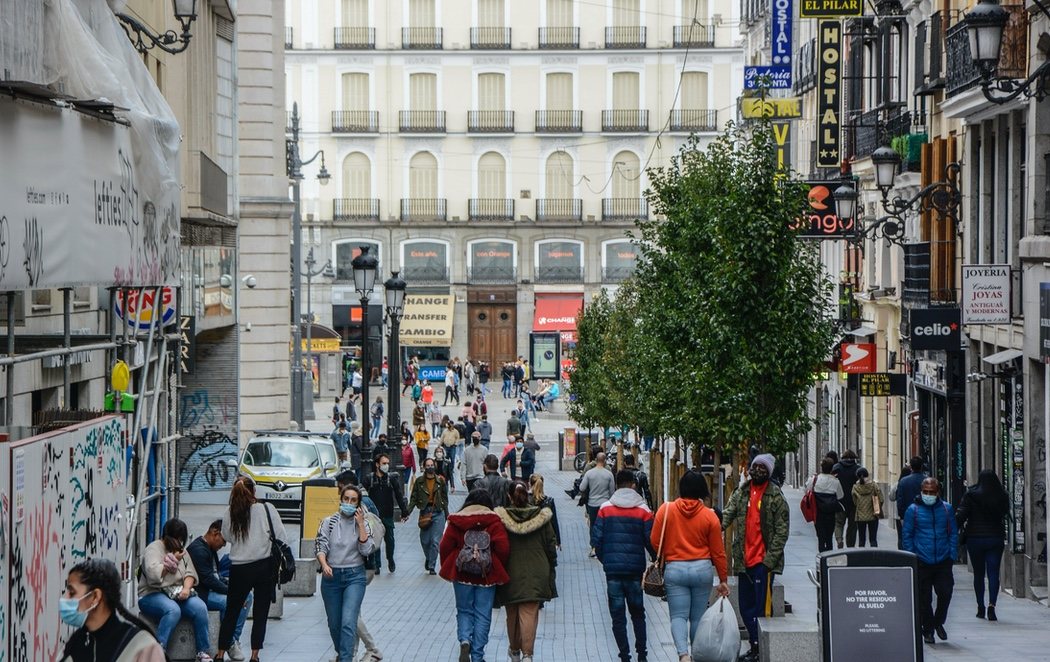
(539, 498)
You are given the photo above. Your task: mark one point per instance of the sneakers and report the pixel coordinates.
(235, 651)
(464, 651)
(513, 655)
(204, 657)
(526, 658)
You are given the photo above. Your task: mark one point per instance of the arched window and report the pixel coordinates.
(559, 261)
(357, 176)
(492, 176)
(423, 176)
(619, 259)
(560, 176)
(626, 179)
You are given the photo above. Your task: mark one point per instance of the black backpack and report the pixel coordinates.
(476, 556)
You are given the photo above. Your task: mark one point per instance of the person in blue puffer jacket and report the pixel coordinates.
(930, 532)
(620, 538)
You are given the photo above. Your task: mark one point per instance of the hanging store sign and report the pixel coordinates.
(141, 305)
(986, 294)
(769, 77)
(771, 109)
(935, 328)
(782, 138)
(858, 358)
(427, 320)
(882, 384)
(821, 221)
(829, 93)
(1044, 322)
(188, 344)
(830, 8)
(98, 216)
(780, 41)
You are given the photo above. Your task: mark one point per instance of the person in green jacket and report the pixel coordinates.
(533, 558)
(430, 495)
(761, 513)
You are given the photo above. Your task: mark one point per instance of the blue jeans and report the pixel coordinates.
(506, 388)
(986, 554)
(342, 596)
(377, 427)
(474, 616)
(169, 612)
(627, 590)
(688, 589)
(430, 538)
(217, 602)
(755, 586)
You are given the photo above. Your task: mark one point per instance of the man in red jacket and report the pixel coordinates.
(474, 552)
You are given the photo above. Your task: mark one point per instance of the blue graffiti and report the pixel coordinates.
(206, 466)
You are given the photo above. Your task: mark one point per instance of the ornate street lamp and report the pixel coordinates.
(395, 306)
(185, 12)
(886, 161)
(985, 26)
(364, 266)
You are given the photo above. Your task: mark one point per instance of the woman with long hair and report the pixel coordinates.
(430, 495)
(343, 543)
(539, 498)
(530, 566)
(105, 629)
(865, 495)
(247, 525)
(981, 518)
(827, 490)
(474, 577)
(688, 537)
(166, 590)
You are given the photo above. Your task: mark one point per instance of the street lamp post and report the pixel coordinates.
(364, 266)
(395, 302)
(310, 274)
(294, 167)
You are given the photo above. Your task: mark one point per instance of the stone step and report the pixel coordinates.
(304, 584)
(793, 638)
(778, 599)
(182, 643)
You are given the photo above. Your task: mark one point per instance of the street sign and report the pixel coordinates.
(771, 109)
(935, 328)
(829, 89)
(986, 294)
(780, 40)
(782, 138)
(858, 358)
(774, 77)
(882, 384)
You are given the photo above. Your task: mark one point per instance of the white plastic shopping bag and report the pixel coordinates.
(718, 638)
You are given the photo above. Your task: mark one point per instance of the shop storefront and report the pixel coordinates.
(558, 312)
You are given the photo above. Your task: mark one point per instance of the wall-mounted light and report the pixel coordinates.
(185, 13)
(985, 25)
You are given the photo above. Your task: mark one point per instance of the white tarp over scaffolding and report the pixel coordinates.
(83, 201)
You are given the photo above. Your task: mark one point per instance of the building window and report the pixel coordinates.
(41, 301)
(559, 261)
(346, 250)
(357, 202)
(560, 176)
(423, 203)
(424, 262)
(492, 261)
(559, 91)
(619, 260)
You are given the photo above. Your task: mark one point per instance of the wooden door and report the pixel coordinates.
(492, 333)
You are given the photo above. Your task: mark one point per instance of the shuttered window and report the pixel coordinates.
(694, 8)
(694, 90)
(422, 92)
(423, 176)
(492, 176)
(355, 14)
(357, 176)
(491, 92)
(559, 14)
(559, 91)
(625, 13)
(626, 182)
(490, 14)
(560, 176)
(625, 90)
(355, 92)
(421, 14)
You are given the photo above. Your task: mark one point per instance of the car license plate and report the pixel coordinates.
(282, 496)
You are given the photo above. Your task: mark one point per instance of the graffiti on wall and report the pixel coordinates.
(201, 408)
(203, 461)
(69, 509)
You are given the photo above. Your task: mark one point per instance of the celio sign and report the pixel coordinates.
(935, 328)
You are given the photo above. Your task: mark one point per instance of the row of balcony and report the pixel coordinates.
(558, 210)
(491, 275)
(502, 121)
(499, 38)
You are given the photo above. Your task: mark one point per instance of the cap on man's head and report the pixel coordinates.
(342, 424)
(766, 460)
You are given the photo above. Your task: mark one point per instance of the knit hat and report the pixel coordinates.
(766, 460)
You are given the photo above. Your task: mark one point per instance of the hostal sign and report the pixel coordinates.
(829, 91)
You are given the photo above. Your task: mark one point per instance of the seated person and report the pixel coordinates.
(212, 587)
(166, 588)
(553, 393)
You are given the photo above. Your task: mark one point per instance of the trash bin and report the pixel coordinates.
(869, 602)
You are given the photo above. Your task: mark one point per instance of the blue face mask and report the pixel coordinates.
(69, 611)
(347, 509)
(929, 499)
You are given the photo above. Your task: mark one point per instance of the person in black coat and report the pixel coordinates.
(211, 586)
(981, 518)
(386, 491)
(908, 489)
(846, 472)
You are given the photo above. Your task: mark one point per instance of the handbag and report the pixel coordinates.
(653, 577)
(877, 506)
(809, 503)
(280, 554)
(426, 518)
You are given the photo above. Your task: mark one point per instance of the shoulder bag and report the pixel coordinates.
(653, 578)
(809, 502)
(280, 553)
(876, 506)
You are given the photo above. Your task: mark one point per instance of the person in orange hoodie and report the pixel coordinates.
(693, 552)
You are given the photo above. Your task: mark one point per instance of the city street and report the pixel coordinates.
(410, 612)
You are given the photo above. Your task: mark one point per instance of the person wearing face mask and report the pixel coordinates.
(386, 492)
(931, 534)
(430, 496)
(105, 629)
(762, 514)
(526, 458)
(344, 541)
(166, 590)
(212, 587)
(408, 459)
(444, 468)
(474, 461)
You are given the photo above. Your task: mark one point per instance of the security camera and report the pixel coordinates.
(250, 281)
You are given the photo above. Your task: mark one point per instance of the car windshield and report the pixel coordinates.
(327, 451)
(278, 453)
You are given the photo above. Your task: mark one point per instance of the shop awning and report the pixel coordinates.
(558, 313)
(427, 320)
(1003, 356)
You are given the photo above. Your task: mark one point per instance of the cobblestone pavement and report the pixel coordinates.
(412, 614)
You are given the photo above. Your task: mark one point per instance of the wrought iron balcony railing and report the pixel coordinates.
(288, 41)
(962, 74)
(552, 274)
(287, 121)
(490, 121)
(422, 209)
(625, 36)
(419, 275)
(625, 209)
(354, 38)
(490, 38)
(626, 121)
(616, 274)
(553, 38)
(694, 36)
(422, 38)
(491, 275)
(421, 121)
(559, 121)
(694, 120)
(355, 209)
(490, 209)
(355, 121)
(559, 209)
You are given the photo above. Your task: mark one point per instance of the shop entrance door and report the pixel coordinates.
(493, 332)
